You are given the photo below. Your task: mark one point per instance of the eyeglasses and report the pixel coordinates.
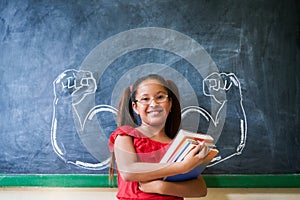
(161, 98)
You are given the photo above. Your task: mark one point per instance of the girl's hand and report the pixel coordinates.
(191, 188)
(151, 186)
(195, 157)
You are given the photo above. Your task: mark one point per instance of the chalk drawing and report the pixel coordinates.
(71, 87)
(79, 86)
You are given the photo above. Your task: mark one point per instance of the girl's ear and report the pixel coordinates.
(134, 107)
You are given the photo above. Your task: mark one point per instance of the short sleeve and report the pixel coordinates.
(123, 130)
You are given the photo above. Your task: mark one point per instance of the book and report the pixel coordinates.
(190, 145)
(182, 150)
(182, 144)
(180, 140)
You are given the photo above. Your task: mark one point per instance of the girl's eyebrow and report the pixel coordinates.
(159, 92)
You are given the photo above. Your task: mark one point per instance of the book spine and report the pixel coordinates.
(180, 151)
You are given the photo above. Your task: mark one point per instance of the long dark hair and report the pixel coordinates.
(127, 117)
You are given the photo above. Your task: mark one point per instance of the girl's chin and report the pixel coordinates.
(156, 122)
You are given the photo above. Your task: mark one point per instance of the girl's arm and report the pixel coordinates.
(132, 170)
(191, 188)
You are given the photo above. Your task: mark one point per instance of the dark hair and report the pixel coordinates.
(127, 117)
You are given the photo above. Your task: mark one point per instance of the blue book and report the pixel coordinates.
(187, 176)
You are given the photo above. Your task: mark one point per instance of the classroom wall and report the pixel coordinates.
(258, 41)
(108, 194)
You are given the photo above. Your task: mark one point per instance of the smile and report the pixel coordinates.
(154, 111)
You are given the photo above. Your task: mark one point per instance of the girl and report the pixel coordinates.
(149, 118)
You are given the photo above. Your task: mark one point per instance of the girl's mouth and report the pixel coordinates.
(154, 112)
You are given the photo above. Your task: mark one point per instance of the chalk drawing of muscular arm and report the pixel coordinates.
(213, 84)
(72, 133)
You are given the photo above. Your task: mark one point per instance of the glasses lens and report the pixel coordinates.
(161, 98)
(144, 100)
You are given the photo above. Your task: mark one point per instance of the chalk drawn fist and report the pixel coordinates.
(74, 83)
(218, 83)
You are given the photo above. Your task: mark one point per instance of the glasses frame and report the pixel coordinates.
(153, 98)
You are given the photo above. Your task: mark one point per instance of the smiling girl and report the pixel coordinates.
(149, 118)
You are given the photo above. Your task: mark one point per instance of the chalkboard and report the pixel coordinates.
(236, 64)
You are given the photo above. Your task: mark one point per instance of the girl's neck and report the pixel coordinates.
(156, 133)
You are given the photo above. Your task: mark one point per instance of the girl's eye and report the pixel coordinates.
(160, 97)
(145, 99)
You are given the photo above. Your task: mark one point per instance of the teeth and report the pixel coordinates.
(157, 111)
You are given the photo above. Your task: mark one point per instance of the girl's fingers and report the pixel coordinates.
(200, 151)
(204, 151)
(196, 149)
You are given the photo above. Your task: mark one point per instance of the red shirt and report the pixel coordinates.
(147, 151)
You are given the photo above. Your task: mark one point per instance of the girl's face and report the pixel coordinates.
(153, 105)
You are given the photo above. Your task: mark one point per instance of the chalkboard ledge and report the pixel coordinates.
(90, 181)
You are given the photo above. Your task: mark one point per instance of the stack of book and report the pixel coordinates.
(182, 144)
